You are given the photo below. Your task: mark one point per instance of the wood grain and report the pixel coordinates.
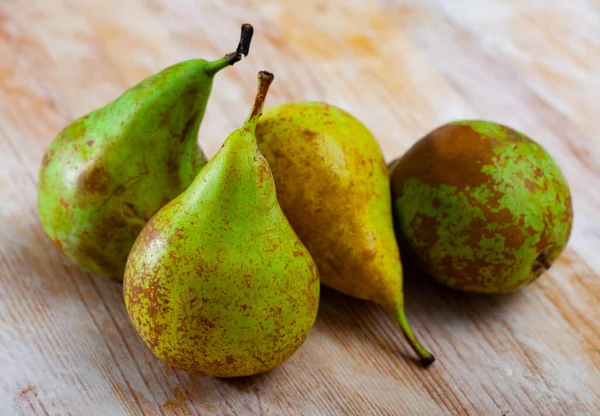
(403, 67)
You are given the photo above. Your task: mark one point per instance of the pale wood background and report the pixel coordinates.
(403, 67)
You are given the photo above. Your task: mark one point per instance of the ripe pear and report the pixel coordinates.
(108, 172)
(218, 282)
(332, 183)
(484, 208)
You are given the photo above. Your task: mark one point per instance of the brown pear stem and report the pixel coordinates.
(245, 38)
(231, 58)
(264, 82)
(243, 46)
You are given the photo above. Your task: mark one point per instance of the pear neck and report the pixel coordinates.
(215, 66)
(264, 82)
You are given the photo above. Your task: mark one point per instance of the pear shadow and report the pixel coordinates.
(425, 300)
(451, 303)
(349, 319)
(246, 384)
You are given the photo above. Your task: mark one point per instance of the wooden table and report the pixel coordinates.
(403, 67)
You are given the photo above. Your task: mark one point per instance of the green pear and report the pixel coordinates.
(218, 282)
(108, 172)
(332, 184)
(483, 207)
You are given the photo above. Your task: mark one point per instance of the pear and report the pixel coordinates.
(218, 282)
(333, 186)
(108, 172)
(483, 207)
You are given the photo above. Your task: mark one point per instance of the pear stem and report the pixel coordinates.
(245, 39)
(426, 357)
(231, 58)
(264, 82)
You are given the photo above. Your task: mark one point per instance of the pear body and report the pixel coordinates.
(483, 207)
(218, 282)
(108, 172)
(333, 186)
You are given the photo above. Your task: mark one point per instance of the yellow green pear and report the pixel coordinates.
(332, 184)
(218, 282)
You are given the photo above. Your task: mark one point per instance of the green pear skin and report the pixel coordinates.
(218, 282)
(108, 172)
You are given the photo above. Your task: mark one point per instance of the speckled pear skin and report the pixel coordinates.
(108, 172)
(218, 282)
(332, 183)
(483, 207)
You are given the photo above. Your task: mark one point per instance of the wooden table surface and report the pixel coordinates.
(402, 67)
